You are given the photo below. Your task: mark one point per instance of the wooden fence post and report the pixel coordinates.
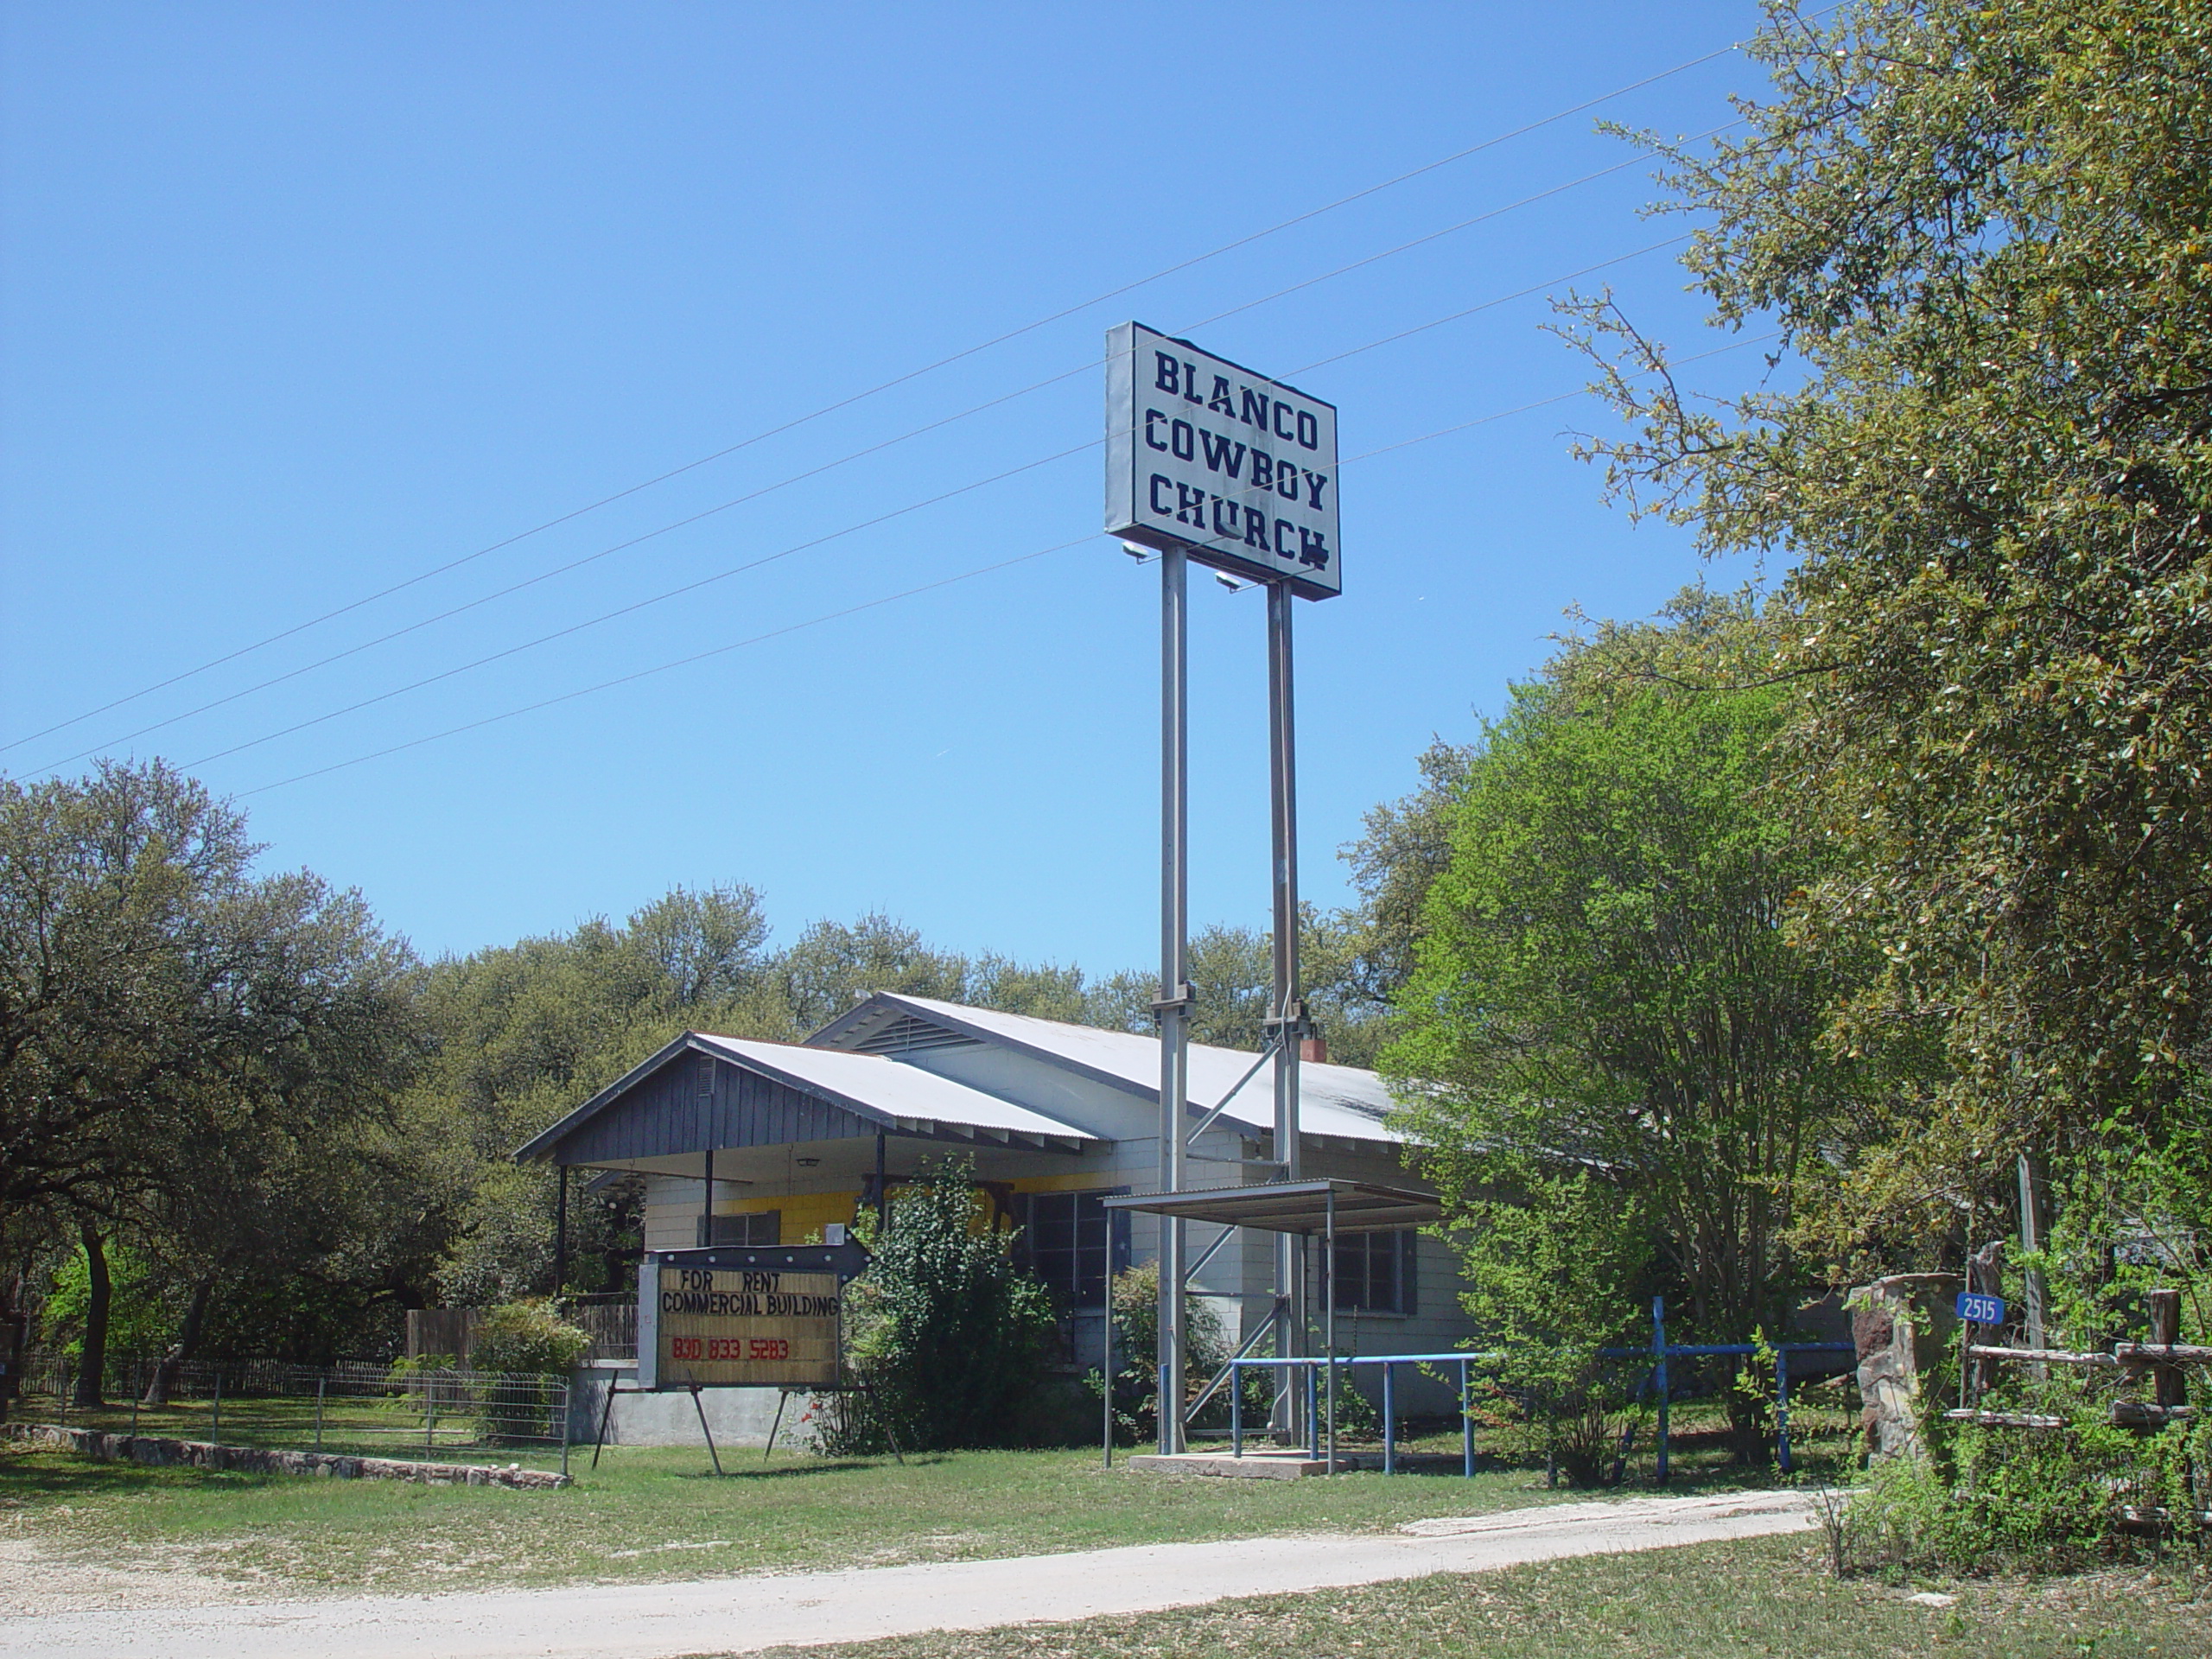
(1985, 1277)
(2167, 1381)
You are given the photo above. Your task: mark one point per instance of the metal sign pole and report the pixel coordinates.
(1173, 1007)
(1289, 1013)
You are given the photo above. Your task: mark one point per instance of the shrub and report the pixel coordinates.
(949, 1339)
(525, 1339)
(1135, 1300)
(1993, 1498)
(1555, 1274)
(516, 1342)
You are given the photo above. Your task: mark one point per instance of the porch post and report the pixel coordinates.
(560, 1229)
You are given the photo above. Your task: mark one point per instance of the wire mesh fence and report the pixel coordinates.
(361, 1408)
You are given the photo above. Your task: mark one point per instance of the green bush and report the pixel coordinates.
(948, 1337)
(2007, 1500)
(526, 1338)
(515, 1343)
(1993, 1498)
(1135, 1300)
(1554, 1275)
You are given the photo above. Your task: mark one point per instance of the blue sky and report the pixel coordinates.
(302, 302)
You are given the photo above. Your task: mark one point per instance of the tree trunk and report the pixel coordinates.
(186, 1343)
(99, 1303)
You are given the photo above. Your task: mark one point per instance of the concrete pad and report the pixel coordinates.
(743, 1615)
(1253, 1466)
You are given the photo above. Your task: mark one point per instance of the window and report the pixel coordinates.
(761, 1227)
(1062, 1243)
(1375, 1272)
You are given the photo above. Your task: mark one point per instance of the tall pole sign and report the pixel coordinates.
(1208, 460)
(1237, 470)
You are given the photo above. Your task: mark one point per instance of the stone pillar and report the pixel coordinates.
(1900, 1326)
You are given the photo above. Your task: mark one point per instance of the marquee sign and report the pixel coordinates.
(739, 1317)
(1238, 470)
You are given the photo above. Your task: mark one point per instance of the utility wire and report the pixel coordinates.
(1542, 403)
(887, 599)
(867, 523)
(639, 605)
(681, 662)
(886, 385)
(815, 472)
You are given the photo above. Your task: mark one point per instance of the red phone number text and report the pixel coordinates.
(713, 1347)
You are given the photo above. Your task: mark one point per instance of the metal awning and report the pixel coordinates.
(1295, 1206)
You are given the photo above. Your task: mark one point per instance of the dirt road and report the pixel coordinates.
(661, 1621)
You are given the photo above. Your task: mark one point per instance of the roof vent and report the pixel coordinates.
(908, 1034)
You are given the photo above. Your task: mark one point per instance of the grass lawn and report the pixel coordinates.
(1716, 1601)
(660, 1513)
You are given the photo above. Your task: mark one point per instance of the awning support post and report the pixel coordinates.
(1329, 1320)
(1106, 1352)
(882, 1191)
(1466, 1425)
(1390, 1421)
(560, 1230)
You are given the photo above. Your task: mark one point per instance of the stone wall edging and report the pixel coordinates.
(268, 1461)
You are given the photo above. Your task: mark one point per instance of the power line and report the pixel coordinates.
(874, 604)
(867, 523)
(886, 385)
(1542, 403)
(639, 605)
(681, 662)
(830, 466)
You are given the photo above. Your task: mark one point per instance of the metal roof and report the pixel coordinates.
(901, 1098)
(1333, 1100)
(884, 1088)
(1295, 1206)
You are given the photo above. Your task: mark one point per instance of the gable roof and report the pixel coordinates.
(1342, 1101)
(881, 1092)
(904, 1097)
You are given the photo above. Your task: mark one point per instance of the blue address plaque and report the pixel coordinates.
(1978, 1309)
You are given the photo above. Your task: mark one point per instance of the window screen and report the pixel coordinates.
(1374, 1271)
(762, 1227)
(1062, 1243)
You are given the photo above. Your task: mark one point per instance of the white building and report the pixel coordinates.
(1056, 1117)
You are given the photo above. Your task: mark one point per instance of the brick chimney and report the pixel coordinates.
(1313, 1048)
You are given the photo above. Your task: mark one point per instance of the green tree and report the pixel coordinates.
(951, 1338)
(1604, 994)
(170, 1021)
(1980, 233)
(832, 965)
(1408, 845)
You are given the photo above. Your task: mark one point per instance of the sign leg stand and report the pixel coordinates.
(783, 1398)
(889, 1433)
(606, 1411)
(699, 1406)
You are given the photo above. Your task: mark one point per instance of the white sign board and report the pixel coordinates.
(1238, 470)
(706, 1327)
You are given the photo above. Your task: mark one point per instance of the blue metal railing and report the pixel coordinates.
(1659, 1353)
